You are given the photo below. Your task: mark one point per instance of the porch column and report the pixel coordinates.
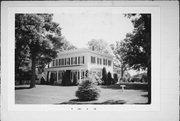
(79, 75)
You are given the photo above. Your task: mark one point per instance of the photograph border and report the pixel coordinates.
(155, 109)
(155, 41)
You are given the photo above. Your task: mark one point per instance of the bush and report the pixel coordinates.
(87, 90)
(115, 78)
(110, 79)
(104, 76)
(95, 78)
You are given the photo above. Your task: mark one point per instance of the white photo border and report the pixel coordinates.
(10, 47)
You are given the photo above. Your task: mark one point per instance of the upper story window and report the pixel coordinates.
(53, 64)
(78, 60)
(63, 62)
(104, 61)
(67, 61)
(97, 60)
(57, 62)
(100, 61)
(93, 59)
(109, 63)
(82, 60)
(73, 60)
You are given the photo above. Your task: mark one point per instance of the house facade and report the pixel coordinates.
(78, 62)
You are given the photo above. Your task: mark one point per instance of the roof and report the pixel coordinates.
(79, 50)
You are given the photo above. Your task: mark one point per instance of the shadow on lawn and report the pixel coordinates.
(142, 87)
(77, 101)
(21, 88)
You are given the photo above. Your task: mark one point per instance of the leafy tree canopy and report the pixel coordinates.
(100, 46)
(135, 49)
(37, 39)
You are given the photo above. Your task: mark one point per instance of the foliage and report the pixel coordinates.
(67, 45)
(100, 46)
(135, 49)
(37, 40)
(104, 76)
(87, 90)
(142, 77)
(109, 78)
(115, 78)
(95, 78)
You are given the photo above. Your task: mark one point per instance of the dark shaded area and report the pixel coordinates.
(22, 88)
(141, 103)
(77, 101)
(128, 86)
(144, 96)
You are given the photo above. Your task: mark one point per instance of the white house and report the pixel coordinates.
(79, 62)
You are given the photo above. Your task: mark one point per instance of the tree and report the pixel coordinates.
(109, 78)
(118, 61)
(87, 90)
(104, 76)
(67, 45)
(135, 49)
(39, 36)
(100, 46)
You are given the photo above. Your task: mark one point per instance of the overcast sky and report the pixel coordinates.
(80, 25)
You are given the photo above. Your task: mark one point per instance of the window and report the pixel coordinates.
(67, 61)
(53, 63)
(109, 63)
(63, 62)
(104, 61)
(57, 62)
(93, 59)
(82, 60)
(78, 60)
(71, 60)
(97, 60)
(75, 60)
(100, 60)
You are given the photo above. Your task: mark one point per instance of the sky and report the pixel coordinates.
(80, 25)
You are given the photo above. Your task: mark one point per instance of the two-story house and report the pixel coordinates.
(79, 62)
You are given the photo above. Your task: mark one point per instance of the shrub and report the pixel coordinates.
(109, 78)
(95, 78)
(115, 78)
(104, 76)
(87, 90)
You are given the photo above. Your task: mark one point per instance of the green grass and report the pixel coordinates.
(45, 94)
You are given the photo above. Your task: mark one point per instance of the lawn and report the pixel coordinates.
(45, 94)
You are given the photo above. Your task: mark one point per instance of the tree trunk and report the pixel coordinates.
(122, 71)
(33, 69)
(149, 83)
